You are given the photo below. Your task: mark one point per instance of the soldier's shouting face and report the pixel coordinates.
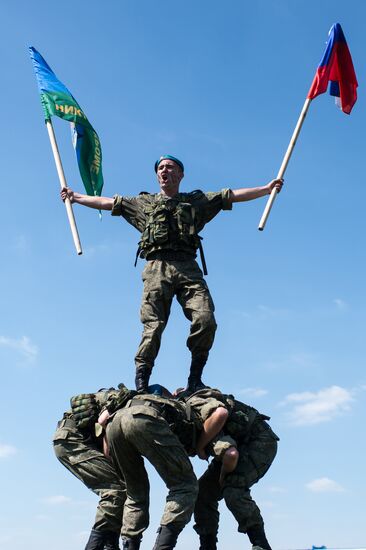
(169, 177)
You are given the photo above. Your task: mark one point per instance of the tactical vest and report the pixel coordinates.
(176, 414)
(242, 421)
(113, 399)
(242, 417)
(171, 226)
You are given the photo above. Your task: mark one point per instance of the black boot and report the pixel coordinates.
(131, 543)
(142, 378)
(102, 540)
(167, 537)
(258, 537)
(194, 381)
(208, 542)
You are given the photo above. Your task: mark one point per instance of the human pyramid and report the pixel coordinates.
(103, 439)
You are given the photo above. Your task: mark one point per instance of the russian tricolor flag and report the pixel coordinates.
(336, 66)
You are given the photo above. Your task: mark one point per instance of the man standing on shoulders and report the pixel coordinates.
(170, 223)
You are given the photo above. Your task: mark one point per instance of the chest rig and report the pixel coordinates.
(170, 227)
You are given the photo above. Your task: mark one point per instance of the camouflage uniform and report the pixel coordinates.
(145, 428)
(79, 452)
(169, 240)
(247, 430)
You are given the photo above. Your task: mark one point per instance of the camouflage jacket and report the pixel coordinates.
(170, 223)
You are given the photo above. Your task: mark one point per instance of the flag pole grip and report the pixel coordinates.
(285, 162)
(61, 175)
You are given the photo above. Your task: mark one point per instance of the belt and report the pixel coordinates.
(66, 423)
(170, 255)
(142, 402)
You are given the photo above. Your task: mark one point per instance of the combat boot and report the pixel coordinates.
(131, 543)
(102, 540)
(111, 541)
(194, 380)
(208, 542)
(142, 378)
(167, 537)
(258, 538)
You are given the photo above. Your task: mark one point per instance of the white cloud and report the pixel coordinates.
(23, 345)
(324, 485)
(280, 516)
(267, 504)
(7, 450)
(270, 312)
(264, 313)
(297, 360)
(253, 392)
(56, 499)
(340, 304)
(276, 489)
(42, 517)
(316, 407)
(22, 244)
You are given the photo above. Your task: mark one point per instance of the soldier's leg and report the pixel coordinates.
(154, 313)
(255, 459)
(102, 540)
(129, 462)
(85, 461)
(154, 439)
(195, 299)
(242, 506)
(206, 511)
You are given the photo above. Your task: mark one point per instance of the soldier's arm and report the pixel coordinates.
(250, 193)
(210, 429)
(99, 203)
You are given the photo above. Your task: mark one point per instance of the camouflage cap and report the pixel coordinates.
(169, 157)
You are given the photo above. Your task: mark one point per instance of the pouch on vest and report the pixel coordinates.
(185, 214)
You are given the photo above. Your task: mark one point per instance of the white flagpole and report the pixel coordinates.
(285, 162)
(61, 175)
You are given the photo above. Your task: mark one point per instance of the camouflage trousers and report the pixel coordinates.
(81, 457)
(136, 432)
(255, 457)
(163, 280)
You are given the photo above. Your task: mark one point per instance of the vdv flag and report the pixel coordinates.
(336, 66)
(57, 100)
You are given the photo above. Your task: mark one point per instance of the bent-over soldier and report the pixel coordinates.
(78, 448)
(243, 453)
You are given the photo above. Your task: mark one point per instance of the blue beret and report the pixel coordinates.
(169, 157)
(155, 389)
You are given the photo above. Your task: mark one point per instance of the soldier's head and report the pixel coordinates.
(170, 172)
(158, 389)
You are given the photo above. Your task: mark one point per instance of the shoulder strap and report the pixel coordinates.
(202, 255)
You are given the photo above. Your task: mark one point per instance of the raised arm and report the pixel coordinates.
(99, 203)
(250, 193)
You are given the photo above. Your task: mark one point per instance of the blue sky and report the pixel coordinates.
(221, 87)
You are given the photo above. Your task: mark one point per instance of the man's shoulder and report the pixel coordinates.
(191, 196)
(137, 202)
(143, 195)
